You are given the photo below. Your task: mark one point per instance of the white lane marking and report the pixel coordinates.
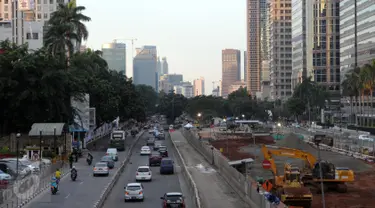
(67, 196)
(81, 183)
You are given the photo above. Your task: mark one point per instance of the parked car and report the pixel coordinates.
(166, 166)
(26, 164)
(155, 159)
(109, 160)
(101, 168)
(133, 191)
(150, 141)
(11, 169)
(113, 153)
(163, 151)
(143, 173)
(173, 199)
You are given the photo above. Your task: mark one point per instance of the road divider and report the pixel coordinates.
(244, 187)
(189, 179)
(107, 190)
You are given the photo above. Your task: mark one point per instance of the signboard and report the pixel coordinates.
(26, 5)
(266, 164)
(92, 120)
(82, 117)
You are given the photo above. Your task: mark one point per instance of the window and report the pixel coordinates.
(51, 1)
(5, 8)
(35, 36)
(28, 36)
(39, 16)
(45, 15)
(6, 1)
(6, 16)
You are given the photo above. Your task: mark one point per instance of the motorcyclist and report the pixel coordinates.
(54, 182)
(73, 171)
(57, 175)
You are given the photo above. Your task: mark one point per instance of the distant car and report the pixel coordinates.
(145, 150)
(109, 160)
(133, 191)
(113, 153)
(143, 173)
(101, 168)
(173, 199)
(157, 145)
(151, 131)
(161, 136)
(154, 159)
(163, 151)
(166, 166)
(150, 141)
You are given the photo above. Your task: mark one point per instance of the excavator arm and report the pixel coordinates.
(269, 150)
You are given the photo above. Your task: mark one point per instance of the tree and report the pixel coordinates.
(296, 106)
(149, 98)
(172, 105)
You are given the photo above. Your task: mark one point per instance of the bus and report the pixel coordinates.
(117, 140)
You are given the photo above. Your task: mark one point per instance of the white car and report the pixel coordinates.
(134, 191)
(145, 150)
(113, 153)
(150, 131)
(143, 173)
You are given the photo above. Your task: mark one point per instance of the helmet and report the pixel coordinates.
(74, 167)
(53, 178)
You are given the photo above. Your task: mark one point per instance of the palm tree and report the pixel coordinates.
(351, 88)
(65, 26)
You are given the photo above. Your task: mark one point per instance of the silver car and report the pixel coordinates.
(101, 168)
(134, 191)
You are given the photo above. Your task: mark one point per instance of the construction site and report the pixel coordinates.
(353, 189)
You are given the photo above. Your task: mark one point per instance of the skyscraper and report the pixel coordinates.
(198, 86)
(231, 69)
(159, 69)
(280, 50)
(115, 55)
(257, 42)
(302, 40)
(165, 67)
(144, 66)
(245, 65)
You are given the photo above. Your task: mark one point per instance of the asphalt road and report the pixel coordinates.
(153, 190)
(83, 192)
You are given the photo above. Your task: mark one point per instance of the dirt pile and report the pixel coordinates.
(231, 148)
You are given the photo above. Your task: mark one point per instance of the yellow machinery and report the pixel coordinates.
(332, 177)
(289, 187)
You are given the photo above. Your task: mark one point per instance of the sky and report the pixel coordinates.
(191, 34)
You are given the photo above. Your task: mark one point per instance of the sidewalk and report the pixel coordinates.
(213, 190)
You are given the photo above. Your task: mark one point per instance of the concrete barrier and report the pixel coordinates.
(189, 179)
(243, 186)
(107, 190)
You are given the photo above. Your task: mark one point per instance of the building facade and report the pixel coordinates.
(164, 65)
(235, 86)
(231, 69)
(244, 65)
(164, 85)
(115, 55)
(144, 66)
(174, 79)
(198, 86)
(280, 50)
(257, 42)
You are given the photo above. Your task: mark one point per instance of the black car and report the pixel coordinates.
(150, 141)
(163, 151)
(109, 160)
(173, 200)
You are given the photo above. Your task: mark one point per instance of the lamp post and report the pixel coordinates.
(278, 130)
(40, 150)
(212, 153)
(317, 142)
(243, 116)
(54, 140)
(18, 135)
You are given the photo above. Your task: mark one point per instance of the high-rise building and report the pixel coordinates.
(231, 68)
(175, 79)
(244, 65)
(159, 69)
(165, 67)
(280, 50)
(257, 42)
(326, 48)
(26, 20)
(198, 86)
(115, 55)
(185, 89)
(302, 40)
(144, 66)
(235, 86)
(164, 85)
(357, 34)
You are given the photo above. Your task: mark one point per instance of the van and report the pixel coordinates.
(166, 166)
(113, 153)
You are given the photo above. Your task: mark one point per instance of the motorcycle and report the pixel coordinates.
(89, 159)
(54, 187)
(73, 176)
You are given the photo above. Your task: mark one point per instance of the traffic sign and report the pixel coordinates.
(266, 164)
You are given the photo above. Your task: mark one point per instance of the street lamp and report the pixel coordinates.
(278, 130)
(54, 139)
(40, 150)
(18, 135)
(212, 153)
(318, 140)
(199, 114)
(243, 115)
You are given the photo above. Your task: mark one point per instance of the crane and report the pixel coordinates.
(127, 39)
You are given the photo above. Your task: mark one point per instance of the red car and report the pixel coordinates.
(173, 200)
(154, 159)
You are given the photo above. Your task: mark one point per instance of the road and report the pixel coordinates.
(153, 190)
(86, 190)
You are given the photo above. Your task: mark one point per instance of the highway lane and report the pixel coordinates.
(83, 192)
(153, 190)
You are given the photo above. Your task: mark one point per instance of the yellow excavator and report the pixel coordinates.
(289, 187)
(333, 178)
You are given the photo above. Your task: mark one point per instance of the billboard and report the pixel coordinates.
(26, 5)
(92, 117)
(82, 108)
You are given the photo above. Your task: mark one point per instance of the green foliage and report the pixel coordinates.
(172, 105)
(296, 106)
(149, 98)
